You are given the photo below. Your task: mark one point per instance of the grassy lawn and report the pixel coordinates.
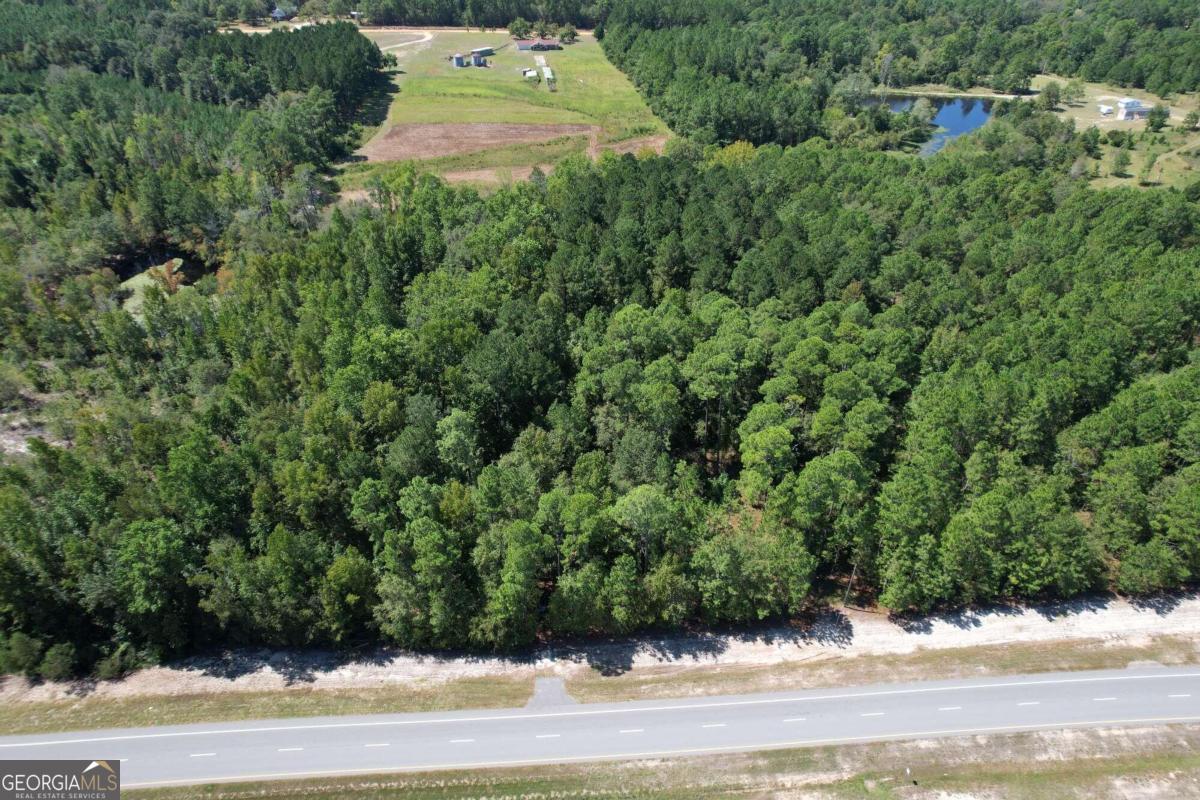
(109, 712)
(1035, 766)
(590, 89)
(590, 686)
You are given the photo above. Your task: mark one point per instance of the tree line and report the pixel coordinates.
(704, 387)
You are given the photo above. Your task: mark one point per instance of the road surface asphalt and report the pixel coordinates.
(306, 747)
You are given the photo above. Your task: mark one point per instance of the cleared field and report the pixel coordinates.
(443, 113)
(1176, 151)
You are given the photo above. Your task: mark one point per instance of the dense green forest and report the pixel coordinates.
(783, 70)
(710, 387)
(636, 393)
(122, 142)
(484, 13)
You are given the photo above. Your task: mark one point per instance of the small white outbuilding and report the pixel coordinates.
(1132, 108)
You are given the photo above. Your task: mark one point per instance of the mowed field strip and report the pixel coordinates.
(472, 121)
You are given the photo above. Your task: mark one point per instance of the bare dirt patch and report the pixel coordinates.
(654, 143)
(421, 140)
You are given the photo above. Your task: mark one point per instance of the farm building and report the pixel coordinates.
(1105, 110)
(458, 60)
(1132, 108)
(282, 13)
(538, 44)
(483, 51)
(478, 60)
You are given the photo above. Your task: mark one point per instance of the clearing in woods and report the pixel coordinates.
(482, 124)
(1173, 153)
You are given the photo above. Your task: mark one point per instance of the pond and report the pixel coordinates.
(953, 117)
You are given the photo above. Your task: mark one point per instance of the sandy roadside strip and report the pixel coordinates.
(839, 633)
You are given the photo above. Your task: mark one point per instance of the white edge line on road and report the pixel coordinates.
(200, 755)
(378, 744)
(1030, 703)
(600, 711)
(660, 753)
(795, 719)
(547, 736)
(632, 730)
(290, 749)
(1102, 699)
(1179, 695)
(461, 741)
(872, 714)
(713, 725)
(950, 708)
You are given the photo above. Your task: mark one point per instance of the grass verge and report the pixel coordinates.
(591, 686)
(1158, 762)
(127, 712)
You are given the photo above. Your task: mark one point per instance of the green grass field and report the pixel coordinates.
(591, 91)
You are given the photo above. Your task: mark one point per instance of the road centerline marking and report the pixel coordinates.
(713, 725)
(872, 714)
(633, 709)
(795, 719)
(950, 708)
(1179, 695)
(748, 747)
(632, 730)
(1030, 703)
(200, 755)
(1102, 699)
(461, 741)
(290, 749)
(548, 736)
(378, 744)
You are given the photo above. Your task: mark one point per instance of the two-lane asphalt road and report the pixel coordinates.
(295, 748)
